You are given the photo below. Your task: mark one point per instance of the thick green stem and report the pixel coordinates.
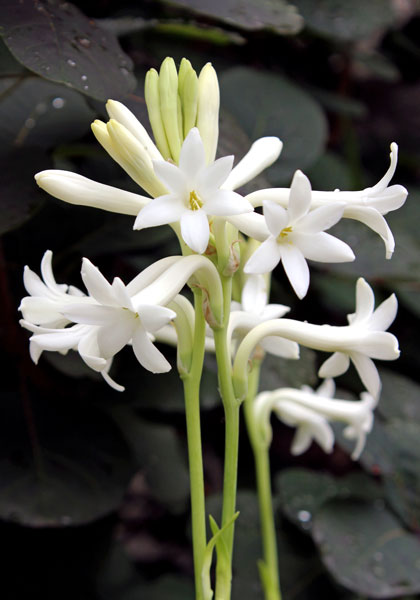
(269, 569)
(192, 410)
(231, 408)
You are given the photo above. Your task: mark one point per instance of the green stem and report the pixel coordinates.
(231, 408)
(269, 569)
(191, 383)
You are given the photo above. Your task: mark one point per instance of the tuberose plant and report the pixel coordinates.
(228, 250)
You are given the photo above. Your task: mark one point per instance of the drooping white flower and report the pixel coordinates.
(297, 233)
(194, 194)
(365, 338)
(97, 325)
(119, 321)
(367, 206)
(311, 413)
(372, 325)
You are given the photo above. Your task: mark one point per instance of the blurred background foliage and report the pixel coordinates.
(94, 484)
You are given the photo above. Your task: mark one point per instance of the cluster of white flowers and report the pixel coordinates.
(193, 193)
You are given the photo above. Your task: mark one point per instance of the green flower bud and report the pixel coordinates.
(168, 96)
(151, 93)
(208, 110)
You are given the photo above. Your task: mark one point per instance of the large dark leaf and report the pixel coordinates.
(346, 20)
(63, 463)
(35, 115)
(267, 104)
(20, 197)
(277, 15)
(302, 493)
(39, 114)
(366, 550)
(55, 40)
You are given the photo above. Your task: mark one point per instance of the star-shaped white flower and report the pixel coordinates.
(195, 194)
(311, 413)
(297, 233)
(374, 342)
(119, 322)
(367, 206)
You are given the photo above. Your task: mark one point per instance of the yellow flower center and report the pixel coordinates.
(284, 233)
(195, 201)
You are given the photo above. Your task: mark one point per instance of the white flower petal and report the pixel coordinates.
(321, 218)
(89, 351)
(147, 354)
(300, 197)
(224, 203)
(115, 335)
(296, 268)
(121, 294)
(195, 230)
(192, 159)
(173, 178)
(368, 373)
(261, 155)
(383, 183)
(280, 347)
(265, 258)
(384, 315)
(91, 314)
(40, 310)
(76, 189)
(275, 216)
(335, 365)
(251, 224)
(161, 211)
(378, 344)
(33, 283)
(389, 199)
(327, 388)
(212, 178)
(365, 302)
(154, 317)
(323, 247)
(96, 284)
(254, 294)
(274, 311)
(115, 386)
(119, 112)
(375, 221)
(47, 273)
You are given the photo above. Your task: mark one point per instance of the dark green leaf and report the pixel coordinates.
(346, 20)
(55, 40)
(39, 114)
(302, 493)
(277, 15)
(159, 454)
(267, 104)
(20, 197)
(366, 550)
(402, 484)
(298, 566)
(400, 397)
(63, 463)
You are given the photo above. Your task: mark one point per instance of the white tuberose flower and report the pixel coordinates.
(311, 413)
(296, 233)
(367, 206)
(194, 194)
(372, 325)
(98, 325)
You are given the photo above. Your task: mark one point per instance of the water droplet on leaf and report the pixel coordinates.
(304, 516)
(71, 62)
(84, 78)
(30, 123)
(84, 41)
(58, 103)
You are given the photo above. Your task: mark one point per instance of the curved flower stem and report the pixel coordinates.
(269, 566)
(191, 382)
(231, 408)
